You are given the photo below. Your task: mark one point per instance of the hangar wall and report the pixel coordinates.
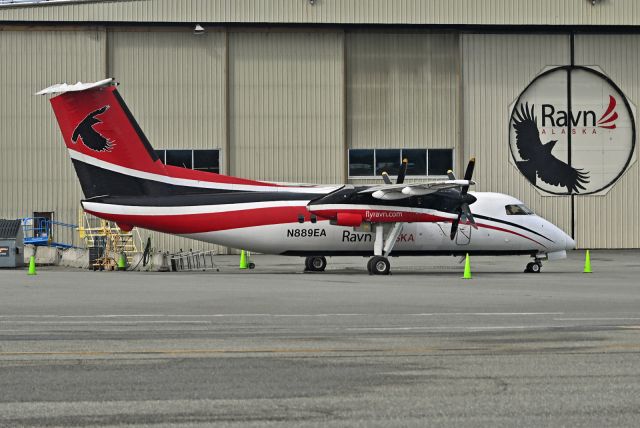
(297, 99)
(495, 70)
(402, 91)
(174, 84)
(611, 221)
(488, 12)
(286, 103)
(35, 171)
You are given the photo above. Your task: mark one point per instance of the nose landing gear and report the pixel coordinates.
(533, 267)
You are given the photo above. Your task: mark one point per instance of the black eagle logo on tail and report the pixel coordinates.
(537, 158)
(91, 138)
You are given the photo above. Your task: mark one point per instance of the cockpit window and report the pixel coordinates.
(519, 209)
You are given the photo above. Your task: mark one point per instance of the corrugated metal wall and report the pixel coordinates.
(512, 12)
(174, 83)
(296, 100)
(495, 69)
(35, 171)
(611, 221)
(286, 106)
(402, 90)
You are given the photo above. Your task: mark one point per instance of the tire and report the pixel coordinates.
(528, 268)
(369, 265)
(307, 264)
(316, 263)
(536, 267)
(380, 265)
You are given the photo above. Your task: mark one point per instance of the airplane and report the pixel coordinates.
(124, 181)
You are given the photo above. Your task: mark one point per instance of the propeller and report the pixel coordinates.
(465, 200)
(401, 173)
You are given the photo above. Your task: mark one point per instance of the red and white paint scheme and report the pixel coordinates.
(123, 180)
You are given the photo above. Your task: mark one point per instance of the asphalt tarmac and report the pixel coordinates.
(276, 347)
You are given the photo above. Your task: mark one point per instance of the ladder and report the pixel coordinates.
(98, 232)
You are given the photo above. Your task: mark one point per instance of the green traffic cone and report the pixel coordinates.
(467, 268)
(243, 260)
(587, 262)
(32, 265)
(122, 262)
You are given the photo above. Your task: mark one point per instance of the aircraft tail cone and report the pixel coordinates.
(122, 262)
(467, 268)
(243, 260)
(32, 265)
(587, 262)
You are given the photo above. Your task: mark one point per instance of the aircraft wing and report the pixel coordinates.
(401, 191)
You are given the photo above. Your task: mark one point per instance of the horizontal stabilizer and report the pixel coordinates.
(77, 87)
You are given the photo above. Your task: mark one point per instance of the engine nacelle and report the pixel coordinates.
(348, 219)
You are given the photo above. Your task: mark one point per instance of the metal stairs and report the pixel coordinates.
(103, 233)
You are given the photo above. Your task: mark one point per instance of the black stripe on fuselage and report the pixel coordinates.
(203, 199)
(484, 217)
(103, 185)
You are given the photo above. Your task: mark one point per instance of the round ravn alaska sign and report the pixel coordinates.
(572, 131)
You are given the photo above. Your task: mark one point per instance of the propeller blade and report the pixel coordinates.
(468, 174)
(454, 226)
(451, 175)
(468, 216)
(385, 178)
(470, 166)
(403, 171)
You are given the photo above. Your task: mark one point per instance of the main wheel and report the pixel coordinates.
(536, 267)
(528, 268)
(316, 263)
(379, 265)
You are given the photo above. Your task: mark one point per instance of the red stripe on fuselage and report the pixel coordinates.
(210, 222)
(384, 216)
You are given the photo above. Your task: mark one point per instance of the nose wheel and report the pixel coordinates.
(533, 267)
(378, 265)
(315, 264)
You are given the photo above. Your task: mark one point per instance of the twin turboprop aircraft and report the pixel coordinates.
(123, 180)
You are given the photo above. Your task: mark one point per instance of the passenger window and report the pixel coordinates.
(519, 209)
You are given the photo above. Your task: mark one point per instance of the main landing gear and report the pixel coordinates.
(382, 247)
(315, 264)
(378, 265)
(533, 267)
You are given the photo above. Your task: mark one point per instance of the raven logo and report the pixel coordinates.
(537, 158)
(91, 138)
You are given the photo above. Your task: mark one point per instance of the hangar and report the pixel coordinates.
(333, 91)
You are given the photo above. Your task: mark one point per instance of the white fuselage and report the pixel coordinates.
(498, 232)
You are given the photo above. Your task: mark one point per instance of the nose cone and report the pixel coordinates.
(569, 243)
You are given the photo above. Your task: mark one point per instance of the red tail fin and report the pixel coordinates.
(98, 127)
